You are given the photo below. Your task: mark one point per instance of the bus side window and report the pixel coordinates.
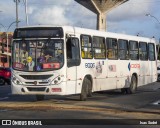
(112, 51)
(73, 52)
(123, 49)
(143, 55)
(134, 50)
(99, 47)
(86, 47)
(151, 52)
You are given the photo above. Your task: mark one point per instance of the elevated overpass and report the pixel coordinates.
(101, 8)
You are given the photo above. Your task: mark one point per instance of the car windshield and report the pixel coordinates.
(37, 55)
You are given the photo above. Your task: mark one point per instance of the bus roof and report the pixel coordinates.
(93, 32)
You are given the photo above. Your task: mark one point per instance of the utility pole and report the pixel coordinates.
(17, 1)
(26, 11)
(153, 17)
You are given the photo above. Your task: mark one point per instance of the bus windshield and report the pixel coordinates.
(37, 55)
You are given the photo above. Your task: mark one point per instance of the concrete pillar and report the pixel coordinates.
(101, 21)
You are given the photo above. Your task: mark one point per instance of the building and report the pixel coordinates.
(5, 51)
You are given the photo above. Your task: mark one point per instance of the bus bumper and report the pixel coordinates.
(39, 90)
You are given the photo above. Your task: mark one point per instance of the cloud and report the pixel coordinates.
(81, 16)
(54, 15)
(31, 9)
(58, 12)
(48, 12)
(130, 10)
(61, 13)
(7, 9)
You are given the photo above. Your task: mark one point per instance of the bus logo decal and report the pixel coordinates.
(129, 66)
(133, 66)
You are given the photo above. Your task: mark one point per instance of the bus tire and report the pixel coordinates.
(158, 78)
(84, 91)
(40, 97)
(89, 89)
(123, 90)
(133, 86)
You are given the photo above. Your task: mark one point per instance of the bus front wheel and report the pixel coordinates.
(40, 97)
(133, 86)
(89, 89)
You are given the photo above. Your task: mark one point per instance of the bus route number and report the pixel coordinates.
(89, 65)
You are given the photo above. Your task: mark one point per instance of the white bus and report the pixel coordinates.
(67, 60)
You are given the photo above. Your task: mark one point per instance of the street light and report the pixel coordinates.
(2, 26)
(159, 23)
(26, 12)
(17, 1)
(153, 17)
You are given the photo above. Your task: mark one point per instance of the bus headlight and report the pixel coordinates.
(16, 80)
(56, 80)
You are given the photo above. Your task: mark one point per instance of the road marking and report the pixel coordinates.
(4, 98)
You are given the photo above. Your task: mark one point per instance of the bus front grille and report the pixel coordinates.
(35, 77)
(33, 83)
(36, 89)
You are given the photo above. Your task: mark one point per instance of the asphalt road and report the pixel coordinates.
(144, 104)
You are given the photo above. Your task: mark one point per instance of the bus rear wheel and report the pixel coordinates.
(133, 86)
(40, 97)
(123, 90)
(86, 89)
(158, 78)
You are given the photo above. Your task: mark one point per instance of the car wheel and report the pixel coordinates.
(2, 81)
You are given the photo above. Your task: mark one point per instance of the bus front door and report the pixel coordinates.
(73, 60)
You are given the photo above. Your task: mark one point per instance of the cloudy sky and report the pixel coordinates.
(128, 18)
